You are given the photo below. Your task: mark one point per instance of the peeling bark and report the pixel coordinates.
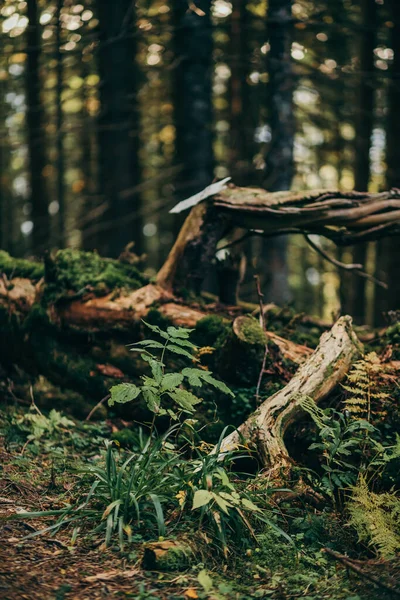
(316, 378)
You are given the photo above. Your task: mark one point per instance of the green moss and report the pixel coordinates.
(250, 331)
(210, 330)
(154, 317)
(75, 270)
(19, 267)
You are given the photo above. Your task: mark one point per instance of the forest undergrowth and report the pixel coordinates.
(111, 508)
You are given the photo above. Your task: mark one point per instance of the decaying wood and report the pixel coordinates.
(346, 218)
(316, 378)
(167, 555)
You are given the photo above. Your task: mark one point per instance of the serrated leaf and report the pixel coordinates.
(147, 344)
(152, 399)
(178, 350)
(179, 332)
(186, 400)
(220, 385)
(201, 498)
(122, 393)
(156, 329)
(184, 343)
(171, 381)
(193, 376)
(156, 369)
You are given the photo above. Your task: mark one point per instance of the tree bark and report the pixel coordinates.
(354, 292)
(119, 128)
(388, 251)
(193, 95)
(36, 134)
(316, 378)
(279, 161)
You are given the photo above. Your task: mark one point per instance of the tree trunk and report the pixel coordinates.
(62, 240)
(193, 100)
(388, 251)
(119, 127)
(36, 134)
(279, 161)
(316, 378)
(354, 296)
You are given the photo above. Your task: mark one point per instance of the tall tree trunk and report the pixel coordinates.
(193, 95)
(388, 252)
(119, 126)
(279, 161)
(36, 134)
(240, 153)
(62, 241)
(354, 297)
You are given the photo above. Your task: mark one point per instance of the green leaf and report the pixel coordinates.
(222, 503)
(152, 399)
(179, 332)
(122, 393)
(156, 369)
(170, 381)
(201, 498)
(193, 376)
(186, 400)
(205, 581)
(220, 385)
(147, 344)
(156, 329)
(249, 504)
(178, 350)
(184, 343)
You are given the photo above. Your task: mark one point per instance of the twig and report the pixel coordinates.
(355, 268)
(348, 562)
(97, 406)
(262, 319)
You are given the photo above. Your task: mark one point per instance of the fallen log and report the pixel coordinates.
(316, 378)
(77, 337)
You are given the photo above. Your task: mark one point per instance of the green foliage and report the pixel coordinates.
(19, 267)
(362, 388)
(124, 493)
(39, 426)
(341, 440)
(376, 517)
(159, 390)
(76, 270)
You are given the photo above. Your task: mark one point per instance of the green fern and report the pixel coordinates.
(362, 387)
(376, 517)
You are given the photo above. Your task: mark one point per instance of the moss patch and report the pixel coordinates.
(19, 267)
(75, 270)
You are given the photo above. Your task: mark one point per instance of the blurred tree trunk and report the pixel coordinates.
(60, 137)
(353, 300)
(279, 161)
(240, 152)
(388, 250)
(119, 127)
(36, 134)
(193, 95)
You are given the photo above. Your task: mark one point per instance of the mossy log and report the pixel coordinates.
(77, 336)
(316, 378)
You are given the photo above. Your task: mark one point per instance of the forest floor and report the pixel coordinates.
(40, 475)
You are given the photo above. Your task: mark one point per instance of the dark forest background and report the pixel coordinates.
(111, 111)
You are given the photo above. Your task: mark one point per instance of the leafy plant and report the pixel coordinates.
(342, 439)
(123, 495)
(220, 502)
(376, 517)
(164, 393)
(361, 387)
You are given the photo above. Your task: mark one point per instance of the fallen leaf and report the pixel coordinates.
(190, 593)
(110, 371)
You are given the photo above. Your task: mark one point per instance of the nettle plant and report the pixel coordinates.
(166, 393)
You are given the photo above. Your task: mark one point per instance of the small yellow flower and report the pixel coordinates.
(181, 495)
